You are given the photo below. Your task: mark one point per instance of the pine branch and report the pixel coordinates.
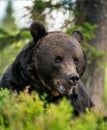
(7, 39)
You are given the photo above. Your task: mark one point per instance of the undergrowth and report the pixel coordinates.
(27, 112)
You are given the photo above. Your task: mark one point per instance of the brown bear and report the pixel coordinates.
(52, 63)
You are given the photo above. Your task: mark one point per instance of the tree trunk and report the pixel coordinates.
(95, 12)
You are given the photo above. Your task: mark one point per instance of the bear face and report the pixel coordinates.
(59, 61)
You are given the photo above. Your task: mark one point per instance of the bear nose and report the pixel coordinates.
(73, 79)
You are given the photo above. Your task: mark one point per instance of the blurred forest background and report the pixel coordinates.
(89, 16)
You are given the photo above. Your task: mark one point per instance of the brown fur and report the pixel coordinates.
(51, 63)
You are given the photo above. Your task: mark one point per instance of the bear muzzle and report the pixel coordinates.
(65, 91)
(65, 86)
(73, 79)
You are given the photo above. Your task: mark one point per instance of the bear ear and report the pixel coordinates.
(37, 30)
(78, 35)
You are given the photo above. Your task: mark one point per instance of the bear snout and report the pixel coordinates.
(73, 79)
(65, 85)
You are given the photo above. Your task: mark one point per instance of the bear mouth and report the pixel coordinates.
(65, 90)
(63, 87)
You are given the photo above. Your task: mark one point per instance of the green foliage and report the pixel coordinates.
(95, 54)
(43, 8)
(105, 87)
(10, 45)
(8, 21)
(8, 54)
(38, 8)
(89, 121)
(27, 112)
(11, 38)
(8, 39)
(87, 29)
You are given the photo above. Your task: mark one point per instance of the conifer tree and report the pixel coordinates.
(8, 21)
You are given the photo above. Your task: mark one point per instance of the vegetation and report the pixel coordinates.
(12, 39)
(27, 112)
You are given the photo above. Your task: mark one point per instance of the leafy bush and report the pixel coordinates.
(27, 112)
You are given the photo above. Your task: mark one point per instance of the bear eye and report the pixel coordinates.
(76, 60)
(58, 59)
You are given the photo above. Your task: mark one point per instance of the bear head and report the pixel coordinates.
(58, 59)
